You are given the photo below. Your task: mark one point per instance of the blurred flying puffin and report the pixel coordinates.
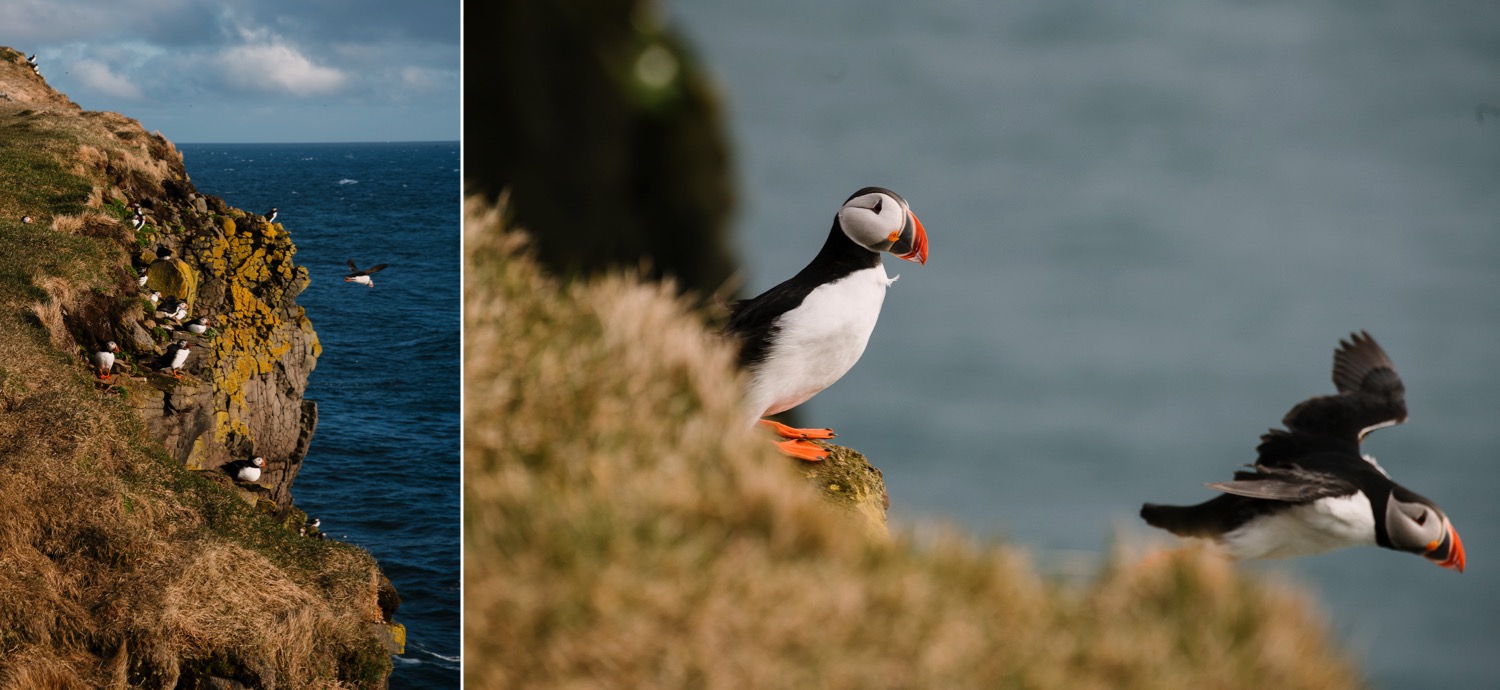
(246, 470)
(362, 277)
(104, 359)
(802, 335)
(271, 215)
(178, 356)
(199, 325)
(1312, 490)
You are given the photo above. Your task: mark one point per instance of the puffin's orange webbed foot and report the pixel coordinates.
(785, 431)
(802, 450)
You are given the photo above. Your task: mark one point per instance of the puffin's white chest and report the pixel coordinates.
(362, 280)
(249, 474)
(179, 358)
(1323, 525)
(819, 341)
(104, 360)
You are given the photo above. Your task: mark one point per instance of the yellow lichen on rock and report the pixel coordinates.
(173, 278)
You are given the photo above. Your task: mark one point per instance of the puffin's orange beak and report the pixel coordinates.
(1449, 552)
(913, 243)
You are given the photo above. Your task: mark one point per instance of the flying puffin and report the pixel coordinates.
(104, 360)
(178, 356)
(1312, 490)
(362, 277)
(246, 470)
(199, 325)
(271, 215)
(802, 335)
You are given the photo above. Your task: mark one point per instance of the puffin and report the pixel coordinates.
(801, 336)
(155, 298)
(271, 215)
(199, 325)
(138, 221)
(246, 470)
(163, 253)
(362, 277)
(174, 309)
(178, 356)
(142, 276)
(104, 360)
(1311, 489)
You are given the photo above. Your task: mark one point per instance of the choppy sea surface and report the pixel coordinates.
(383, 468)
(1150, 224)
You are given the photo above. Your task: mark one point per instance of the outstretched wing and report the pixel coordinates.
(1286, 484)
(375, 269)
(1371, 395)
(354, 270)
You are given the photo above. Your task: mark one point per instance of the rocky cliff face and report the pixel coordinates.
(241, 394)
(102, 235)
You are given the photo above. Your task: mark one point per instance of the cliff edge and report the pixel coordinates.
(137, 557)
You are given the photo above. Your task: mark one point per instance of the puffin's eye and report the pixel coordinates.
(1422, 519)
(878, 202)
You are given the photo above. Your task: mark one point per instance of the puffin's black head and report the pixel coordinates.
(1415, 525)
(878, 219)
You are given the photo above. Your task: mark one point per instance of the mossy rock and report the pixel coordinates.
(173, 278)
(849, 482)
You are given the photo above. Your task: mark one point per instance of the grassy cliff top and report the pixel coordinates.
(624, 529)
(117, 566)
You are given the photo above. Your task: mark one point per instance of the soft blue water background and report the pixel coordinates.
(383, 469)
(1150, 224)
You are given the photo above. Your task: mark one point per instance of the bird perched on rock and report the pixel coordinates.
(177, 356)
(142, 276)
(1312, 490)
(246, 470)
(163, 253)
(271, 215)
(155, 298)
(801, 336)
(174, 309)
(104, 360)
(362, 277)
(32, 62)
(199, 326)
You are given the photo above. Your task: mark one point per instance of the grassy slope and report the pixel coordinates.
(624, 530)
(117, 567)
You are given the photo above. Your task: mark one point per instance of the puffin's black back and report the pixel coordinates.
(753, 320)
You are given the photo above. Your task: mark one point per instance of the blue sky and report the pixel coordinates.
(253, 70)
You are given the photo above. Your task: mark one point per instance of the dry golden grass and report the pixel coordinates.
(623, 529)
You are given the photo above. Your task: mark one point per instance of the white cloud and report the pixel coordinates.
(98, 76)
(276, 67)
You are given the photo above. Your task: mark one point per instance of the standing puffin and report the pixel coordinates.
(1312, 490)
(104, 360)
(199, 326)
(271, 215)
(143, 275)
(362, 277)
(246, 470)
(177, 357)
(802, 335)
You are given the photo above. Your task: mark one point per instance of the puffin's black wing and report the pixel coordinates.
(1371, 395)
(753, 320)
(353, 270)
(375, 269)
(1285, 484)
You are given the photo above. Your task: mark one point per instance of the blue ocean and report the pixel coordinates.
(383, 469)
(1150, 223)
